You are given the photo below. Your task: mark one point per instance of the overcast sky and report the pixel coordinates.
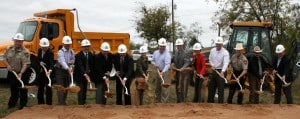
(107, 15)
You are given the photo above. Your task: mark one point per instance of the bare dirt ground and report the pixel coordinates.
(165, 111)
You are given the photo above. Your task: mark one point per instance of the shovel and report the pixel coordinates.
(73, 88)
(163, 84)
(20, 80)
(241, 88)
(108, 94)
(126, 91)
(261, 84)
(90, 85)
(48, 75)
(285, 83)
(220, 75)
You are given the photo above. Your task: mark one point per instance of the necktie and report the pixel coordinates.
(259, 67)
(278, 61)
(87, 62)
(121, 65)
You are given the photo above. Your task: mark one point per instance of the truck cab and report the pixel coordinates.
(252, 34)
(54, 25)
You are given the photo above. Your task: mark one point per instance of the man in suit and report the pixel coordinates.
(103, 66)
(82, 70)
(256, 66)
(281, 66)
(124, 66)
(180, 61)
(46, 58)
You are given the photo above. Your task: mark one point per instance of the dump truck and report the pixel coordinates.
(54, 25)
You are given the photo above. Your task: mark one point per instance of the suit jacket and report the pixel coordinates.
(253, 67)
(80, 66)
(102, 66)
(48, 58)
(127, 66)
(283, 68)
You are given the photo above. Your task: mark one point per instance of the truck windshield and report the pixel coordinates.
(27, 29)
(251, 37)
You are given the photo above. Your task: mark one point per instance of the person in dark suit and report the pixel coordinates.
(124, 66)
(82, 70)
(45, 58)
(103, 66)
(281, 66)
(257, 65)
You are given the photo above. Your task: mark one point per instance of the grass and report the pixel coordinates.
(265, 98)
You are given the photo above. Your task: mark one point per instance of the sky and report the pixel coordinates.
(108, 15)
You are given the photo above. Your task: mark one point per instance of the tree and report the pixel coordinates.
(192, 34)
(154, 23)
(279, 12)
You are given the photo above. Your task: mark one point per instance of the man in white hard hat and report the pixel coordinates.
(65, 59)
(162, 61)
(199, 72)
(180, 61)
(82, 70)
(257, 65)
(124, 66)
(239, 64)
(103, 67)
(281, 66)
(140, 72)
(45, 58)
(219, 60)
(17, 59)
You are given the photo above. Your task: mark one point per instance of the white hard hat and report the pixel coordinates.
(162, 42)
(122, 48)
(197, 46)
(18, 36)
(44, 42)
(143, 49)
(179, 42)
(85, 42)
(279, 48)
(219, 40)
(67, 40)
(105, 46)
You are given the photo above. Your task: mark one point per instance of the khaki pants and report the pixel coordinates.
(162, 94)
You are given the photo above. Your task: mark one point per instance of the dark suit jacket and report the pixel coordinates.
(128, 66)
(253, 65)
(102, 66)
(283, 68)
(48, 58)
(80, 67)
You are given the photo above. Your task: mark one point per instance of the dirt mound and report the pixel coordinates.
(183, 110)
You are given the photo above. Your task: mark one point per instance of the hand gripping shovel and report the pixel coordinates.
(108, 94)
(241, 88)
(47, 74)
(20, 80)
(283, 80)
(163, 84)
(90, 85)
(220, 75)
(126, 91)
(261, 84)
(73, 88)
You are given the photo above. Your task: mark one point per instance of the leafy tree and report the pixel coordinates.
(154, 23)
(279, 12)
(192, 34)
